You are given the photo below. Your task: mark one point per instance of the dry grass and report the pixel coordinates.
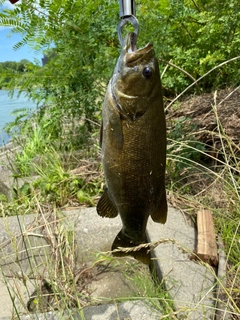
(43, 260)
(212, 180)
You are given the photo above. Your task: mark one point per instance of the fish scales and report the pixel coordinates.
(133, 142)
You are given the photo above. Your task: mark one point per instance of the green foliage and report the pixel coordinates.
(10, 70)
(61, 187)
(20, 123)
(148, 286)
(38, 144)
(3, 198)
(196, 36)
(53, 182)
(80, 40)
(56, 185)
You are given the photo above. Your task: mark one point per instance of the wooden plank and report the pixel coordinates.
(206, 240)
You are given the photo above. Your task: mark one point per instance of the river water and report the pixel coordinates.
(7, 106)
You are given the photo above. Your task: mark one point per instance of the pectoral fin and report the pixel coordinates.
(106, 207)
(160, 214)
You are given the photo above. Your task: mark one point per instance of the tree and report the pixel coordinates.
(12, 69)
(84, 49)
(196, 35)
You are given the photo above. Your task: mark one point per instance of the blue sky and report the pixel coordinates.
(7, 53)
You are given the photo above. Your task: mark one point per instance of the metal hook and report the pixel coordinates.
(127, 14)
(127, 8)
(134, 21)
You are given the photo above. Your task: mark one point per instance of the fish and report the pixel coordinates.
(133, 147)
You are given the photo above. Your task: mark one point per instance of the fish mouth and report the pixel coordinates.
(132, 53)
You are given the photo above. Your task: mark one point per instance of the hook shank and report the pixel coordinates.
(127, 8)
(134, 21)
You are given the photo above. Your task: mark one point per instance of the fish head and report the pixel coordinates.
(136, 79)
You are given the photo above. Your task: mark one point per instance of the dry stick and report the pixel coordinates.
(93, 122)
(191, 85)
(166, 67)
(206, 239)
(180, 69)
(196, 5)
(229, 95)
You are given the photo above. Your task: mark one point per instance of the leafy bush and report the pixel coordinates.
(195, 35)
(80, 41)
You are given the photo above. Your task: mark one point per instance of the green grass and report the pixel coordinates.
(148, 287)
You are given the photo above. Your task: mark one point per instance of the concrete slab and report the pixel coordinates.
(14, 262)
(6, 154)
(190, 284)
(130, 310)
(93, 235)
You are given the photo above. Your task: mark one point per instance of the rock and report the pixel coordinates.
(5, 192)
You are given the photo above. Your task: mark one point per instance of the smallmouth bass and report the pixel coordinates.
(133, 143)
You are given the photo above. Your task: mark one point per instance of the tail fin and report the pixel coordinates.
(122, 240)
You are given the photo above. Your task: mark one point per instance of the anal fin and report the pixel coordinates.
(106, 207)
(160, 214)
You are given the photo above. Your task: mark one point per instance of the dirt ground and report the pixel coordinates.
(208, 112)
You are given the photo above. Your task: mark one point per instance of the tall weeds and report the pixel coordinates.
(203, 176)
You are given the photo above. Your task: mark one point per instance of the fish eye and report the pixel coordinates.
(147, 72)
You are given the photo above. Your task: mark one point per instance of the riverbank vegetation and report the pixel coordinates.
(9, 70)
(197, 43)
